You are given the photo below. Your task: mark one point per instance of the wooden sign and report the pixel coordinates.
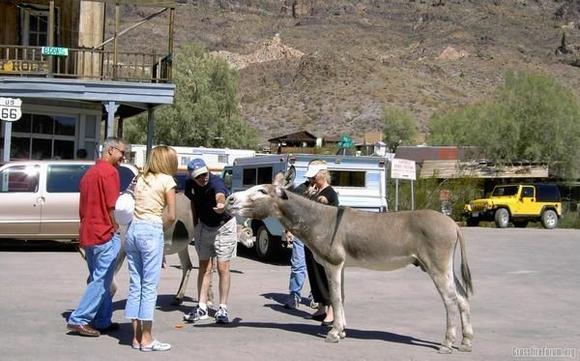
(23, 66)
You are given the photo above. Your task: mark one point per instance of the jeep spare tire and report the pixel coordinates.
(502, 218)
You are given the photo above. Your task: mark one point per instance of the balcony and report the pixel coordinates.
(92, 64)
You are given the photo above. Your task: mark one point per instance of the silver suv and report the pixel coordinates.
(39, 200)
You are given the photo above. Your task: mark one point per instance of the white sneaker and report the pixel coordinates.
(156, 346)
(221, 316)
(197, 314)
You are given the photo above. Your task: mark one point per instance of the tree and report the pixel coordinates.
(531, 117)
(399, 127)
(206, 110)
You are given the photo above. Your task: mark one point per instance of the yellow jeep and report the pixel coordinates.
(518, 203)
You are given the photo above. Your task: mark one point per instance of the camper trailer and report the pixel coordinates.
(361, 182)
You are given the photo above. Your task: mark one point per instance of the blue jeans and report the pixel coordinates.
(144, 248)
(297, 268)
(97, 302)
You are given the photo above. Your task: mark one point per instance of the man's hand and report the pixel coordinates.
(289, 236)
(220, 208)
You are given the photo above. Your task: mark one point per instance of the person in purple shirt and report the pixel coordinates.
(215, 237)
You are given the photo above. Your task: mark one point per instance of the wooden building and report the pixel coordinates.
(55, 58)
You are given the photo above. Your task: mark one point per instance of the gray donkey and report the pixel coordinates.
(341, 237)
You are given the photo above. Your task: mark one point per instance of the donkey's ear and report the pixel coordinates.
(278, 180)
(281, 192)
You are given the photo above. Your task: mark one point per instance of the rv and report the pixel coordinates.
(215, 158)
(361, 182)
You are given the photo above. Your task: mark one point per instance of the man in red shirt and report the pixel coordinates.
(99, 189)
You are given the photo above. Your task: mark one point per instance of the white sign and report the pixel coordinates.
(10, 109)
(403, 169)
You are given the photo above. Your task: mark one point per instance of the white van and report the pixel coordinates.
(361, 182)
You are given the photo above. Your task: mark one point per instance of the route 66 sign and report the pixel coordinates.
(10, 109)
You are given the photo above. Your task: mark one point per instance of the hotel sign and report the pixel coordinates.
(23, 66)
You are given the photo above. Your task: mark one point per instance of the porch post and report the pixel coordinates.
(150, 129)
(111, 108)
(51, 20)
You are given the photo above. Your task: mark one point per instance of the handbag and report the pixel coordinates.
(125, 205)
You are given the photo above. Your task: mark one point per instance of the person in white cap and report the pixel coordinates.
(322, 192)
(215, 237)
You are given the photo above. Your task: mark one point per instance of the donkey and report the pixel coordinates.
(341, 237)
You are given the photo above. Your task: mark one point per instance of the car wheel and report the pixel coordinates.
(521, 224)
(472, 222)
(266, 245)
(549, 219)
(502, 218)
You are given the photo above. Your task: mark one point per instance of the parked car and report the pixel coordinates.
(40, 200)
(519, 204)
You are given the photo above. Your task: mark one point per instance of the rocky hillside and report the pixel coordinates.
(330, 66)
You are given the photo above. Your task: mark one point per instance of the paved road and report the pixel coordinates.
(526, 283)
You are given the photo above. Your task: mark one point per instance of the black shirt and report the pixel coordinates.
(204, 200)
(330, 194)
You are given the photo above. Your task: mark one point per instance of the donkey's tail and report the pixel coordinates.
(465, 272)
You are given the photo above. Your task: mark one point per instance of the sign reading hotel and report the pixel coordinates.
(23, 66)
(403, 169)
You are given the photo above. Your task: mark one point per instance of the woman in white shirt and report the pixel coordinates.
(154, 191)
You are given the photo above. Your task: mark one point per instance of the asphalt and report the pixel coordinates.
(525, 302)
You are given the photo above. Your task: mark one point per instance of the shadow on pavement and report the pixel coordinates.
(17, 245)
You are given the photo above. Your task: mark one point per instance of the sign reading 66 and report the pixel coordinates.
(10, 109)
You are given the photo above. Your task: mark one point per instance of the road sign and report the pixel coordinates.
(403, 169)
(55, 51)
(10, 109)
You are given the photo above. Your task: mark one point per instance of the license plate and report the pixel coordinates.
(475, 214)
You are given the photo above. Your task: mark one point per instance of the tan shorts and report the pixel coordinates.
(219, 242)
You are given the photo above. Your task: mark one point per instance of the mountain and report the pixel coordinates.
(329, 67)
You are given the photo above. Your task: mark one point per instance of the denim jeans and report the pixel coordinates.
(96, 305)
(297, 268)
(144, 248)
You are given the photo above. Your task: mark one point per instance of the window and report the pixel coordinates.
(528, 192)
(505, 191)
(65, 178)
(342, 178)
(125, 176)
(249, 177)
(265, 175)
(19, 179)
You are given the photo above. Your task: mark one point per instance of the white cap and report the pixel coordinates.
(313, 170)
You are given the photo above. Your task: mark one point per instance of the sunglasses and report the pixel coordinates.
(120, 151)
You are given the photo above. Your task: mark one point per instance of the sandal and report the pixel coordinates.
(156, 346)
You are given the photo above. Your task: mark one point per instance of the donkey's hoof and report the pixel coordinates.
(342, 334)
(465, 347)
(331, 338)
(445, 350)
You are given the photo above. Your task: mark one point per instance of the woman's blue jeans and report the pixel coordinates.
(144, 248)
(297, 268)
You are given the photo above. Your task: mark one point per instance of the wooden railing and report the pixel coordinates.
(85, 64)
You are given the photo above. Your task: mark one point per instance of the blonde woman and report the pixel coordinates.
(154, 191)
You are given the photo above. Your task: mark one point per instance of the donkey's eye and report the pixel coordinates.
(263, 191)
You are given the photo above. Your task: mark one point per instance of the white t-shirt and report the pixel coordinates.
(150, 196)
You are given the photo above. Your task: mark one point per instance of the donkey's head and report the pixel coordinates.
(258, 202)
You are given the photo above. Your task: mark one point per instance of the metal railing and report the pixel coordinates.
(85, 64)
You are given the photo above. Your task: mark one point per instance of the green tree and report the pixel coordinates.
(399, 127)
(531, 117)
(205, 111)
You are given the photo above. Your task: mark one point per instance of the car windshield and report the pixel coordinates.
(505, 191)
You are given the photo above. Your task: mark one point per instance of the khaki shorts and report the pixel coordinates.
(219, 242)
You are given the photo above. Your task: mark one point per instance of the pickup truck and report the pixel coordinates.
(40, 200)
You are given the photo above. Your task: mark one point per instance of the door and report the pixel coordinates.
(527, 204)
(20, 201)
(60, 213)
